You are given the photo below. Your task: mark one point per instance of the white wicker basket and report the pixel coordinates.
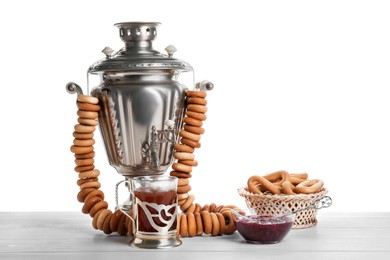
(268, 203)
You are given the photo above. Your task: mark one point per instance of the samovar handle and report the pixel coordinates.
(204, 85)
(73, 88)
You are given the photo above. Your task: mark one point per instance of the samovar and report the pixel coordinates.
(142, 101)
(142, 108)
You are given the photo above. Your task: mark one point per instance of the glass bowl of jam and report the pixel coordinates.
(263, 229)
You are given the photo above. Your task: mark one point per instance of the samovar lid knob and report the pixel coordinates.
(170, 50)
(108, 52)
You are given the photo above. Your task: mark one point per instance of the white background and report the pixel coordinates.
(299, 85)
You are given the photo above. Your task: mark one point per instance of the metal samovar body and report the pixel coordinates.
(142, 102)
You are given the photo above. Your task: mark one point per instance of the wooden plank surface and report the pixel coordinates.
(69, 235)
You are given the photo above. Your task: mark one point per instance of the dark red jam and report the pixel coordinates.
(264, 229)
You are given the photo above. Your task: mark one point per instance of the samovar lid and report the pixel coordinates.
(138, 54)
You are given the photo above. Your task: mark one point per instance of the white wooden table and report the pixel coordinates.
(69, 235)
